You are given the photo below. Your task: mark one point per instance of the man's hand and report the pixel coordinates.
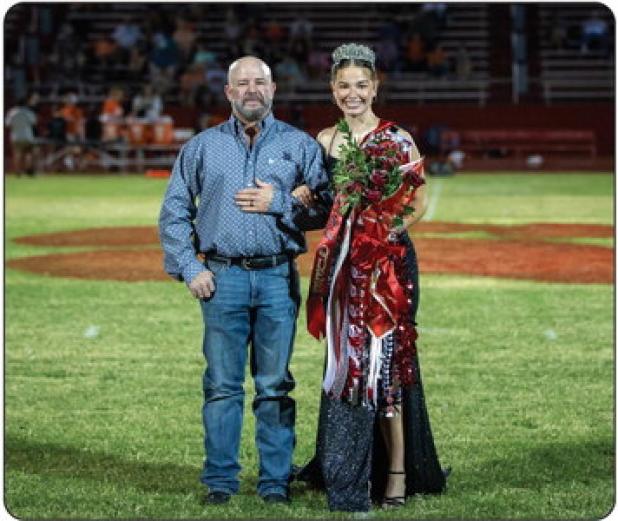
(203, 285)
(304, 195)
(256, 200)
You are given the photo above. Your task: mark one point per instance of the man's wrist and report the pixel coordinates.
(281, 203)
(192, 271)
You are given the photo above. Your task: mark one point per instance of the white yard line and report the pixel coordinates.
(434, 196)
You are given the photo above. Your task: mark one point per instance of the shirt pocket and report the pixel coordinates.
(281, 172)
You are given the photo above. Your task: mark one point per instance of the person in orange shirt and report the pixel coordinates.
(74, 117)
(113, 109)
(75, 120)
(112, 115)
(437, 62)
(415, 53)
(104, 50)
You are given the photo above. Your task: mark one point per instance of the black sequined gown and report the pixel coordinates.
(351, 463)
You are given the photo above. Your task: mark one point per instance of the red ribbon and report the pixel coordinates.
(369, 249)
(322, 265)
(375, 256)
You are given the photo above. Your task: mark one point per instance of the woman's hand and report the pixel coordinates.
(304, 195)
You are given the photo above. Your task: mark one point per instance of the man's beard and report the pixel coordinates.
(256, 114)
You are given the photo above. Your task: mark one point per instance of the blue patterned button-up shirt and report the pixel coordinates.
(199, 213)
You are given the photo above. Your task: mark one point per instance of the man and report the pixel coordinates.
(248, 226)
(21, 120)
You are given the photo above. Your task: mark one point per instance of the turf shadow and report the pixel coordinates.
(50, 459)
(537, 466)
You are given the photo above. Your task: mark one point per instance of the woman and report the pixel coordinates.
(374, 440)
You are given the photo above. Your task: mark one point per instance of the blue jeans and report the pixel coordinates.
(257, 308)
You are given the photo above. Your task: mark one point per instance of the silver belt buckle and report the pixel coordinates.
(245, 263)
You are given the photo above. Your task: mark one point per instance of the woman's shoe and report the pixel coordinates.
(394, 501)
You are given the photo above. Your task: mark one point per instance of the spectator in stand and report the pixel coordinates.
(463, 63)
(137, 62)
(203, 55)
(68, 57)
(164, 61)
(216, 78)
(190, 81)
(252, 41)
(437, 62)
(426, 24)
(318, 63)
(126, 36)
(415, 53)
(112, 110)
(594, 33)
(147, 104)
(73, 116)
(301, 29)
(387, 52)
(21, 121)
(105, 51)
(275, 33)
(299, 51)
(56, 127)
(184, 36)
(233, 32)
(288, 74)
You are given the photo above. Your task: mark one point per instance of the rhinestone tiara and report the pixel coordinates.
(353, 51)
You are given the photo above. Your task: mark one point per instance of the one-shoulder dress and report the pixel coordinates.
(350, 461)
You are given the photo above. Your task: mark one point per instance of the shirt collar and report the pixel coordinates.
(238, 127)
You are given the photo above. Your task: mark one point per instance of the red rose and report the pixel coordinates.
(353, 187)
(378, 178)
(390, 162)
(413, 178)
(373, 195)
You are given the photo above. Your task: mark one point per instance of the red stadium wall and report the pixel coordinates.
(598, 117)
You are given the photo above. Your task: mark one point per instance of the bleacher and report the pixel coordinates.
(564, 73)
(570, 72)
(334, 23)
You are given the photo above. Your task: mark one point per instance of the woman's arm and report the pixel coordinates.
(419, 203)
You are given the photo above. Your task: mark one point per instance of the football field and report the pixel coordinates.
(103, 375)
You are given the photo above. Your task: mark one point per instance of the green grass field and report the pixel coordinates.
(518, 374)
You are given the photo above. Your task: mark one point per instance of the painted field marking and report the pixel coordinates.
(434, 195)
